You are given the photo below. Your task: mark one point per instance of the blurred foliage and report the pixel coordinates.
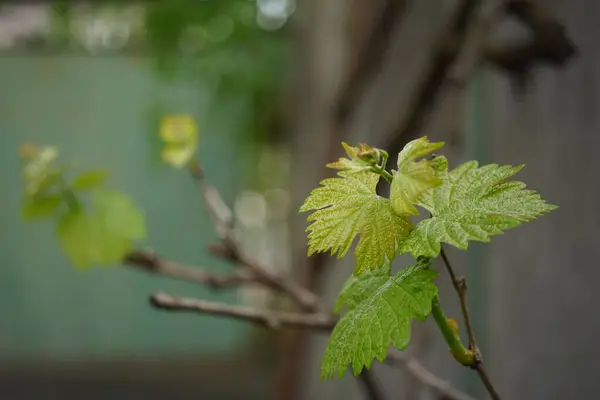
(180, 135)
(220, 44)
(102, 232)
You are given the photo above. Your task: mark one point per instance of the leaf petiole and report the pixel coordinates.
(463, 355)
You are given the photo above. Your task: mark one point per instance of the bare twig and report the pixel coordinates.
(149, 262)
(485, 378)
(222, 219)
(460, 286)
(425, 377)
(269, 318)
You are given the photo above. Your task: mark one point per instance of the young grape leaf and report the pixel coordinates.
(359, 158)
(474, 203)
(89, 180)
(348, 206)
(413, 178)
(103, 236)
(380, 316)
(358, 287)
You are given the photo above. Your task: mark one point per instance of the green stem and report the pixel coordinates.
(379, 168)
(385, 174)
(461, 354)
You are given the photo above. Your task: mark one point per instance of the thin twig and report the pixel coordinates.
(222, 219)
(149, 262)
(460, 286)
(425, 377)
(269, 318)
(485, 378)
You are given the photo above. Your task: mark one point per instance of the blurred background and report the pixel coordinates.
(275, 86)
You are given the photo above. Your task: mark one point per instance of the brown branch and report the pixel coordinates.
(222, 219)
(149, 262)
(425, 377)
(268, 318)
(460, 286)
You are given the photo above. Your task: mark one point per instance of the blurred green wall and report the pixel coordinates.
(102, 112)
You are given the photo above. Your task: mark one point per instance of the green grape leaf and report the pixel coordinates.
(359, 159)
(358, 287)
(413, 178)
(348, 206)
(103, 236)
(39, 207)
(382, 317)
(474, 203)
(89, 180)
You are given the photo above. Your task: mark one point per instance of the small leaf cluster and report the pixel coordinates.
(468, 203)
(179, 133)
(101, 230)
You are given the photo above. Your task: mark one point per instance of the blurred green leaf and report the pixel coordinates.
(119, 214)
(104, 236)
(40, 207)
(180, 134)
(89, 180)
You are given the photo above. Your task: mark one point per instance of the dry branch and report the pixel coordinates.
(222, 219)
(149, 262)
(269, 318)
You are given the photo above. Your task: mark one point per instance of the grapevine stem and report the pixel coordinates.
(386, 175)
(463, 355)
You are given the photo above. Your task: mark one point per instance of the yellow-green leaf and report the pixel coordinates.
(359, 159)
(180, 134)
(347, 207)
(413, 178)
